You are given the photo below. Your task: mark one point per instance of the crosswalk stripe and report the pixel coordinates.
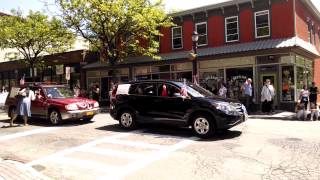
(114, 153)
(77, 148)
(27, 133)
(135, 144)
(85, 164)
(141, 163)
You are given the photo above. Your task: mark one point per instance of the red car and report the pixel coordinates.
(56, 103)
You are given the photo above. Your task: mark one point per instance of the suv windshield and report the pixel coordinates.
(58, 92)
(195, 90)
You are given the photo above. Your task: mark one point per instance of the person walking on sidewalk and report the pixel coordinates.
(223, 90)
(313, 90)
(304, 96)
(25, 96)
(267, 94)
(247, 88)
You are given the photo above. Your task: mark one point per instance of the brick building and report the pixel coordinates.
(260, 39)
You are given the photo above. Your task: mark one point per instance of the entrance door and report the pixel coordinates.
(274, 81)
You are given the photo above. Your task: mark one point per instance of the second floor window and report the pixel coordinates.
(177, 38)
(232, 29)
(201, 28)
(262, 23)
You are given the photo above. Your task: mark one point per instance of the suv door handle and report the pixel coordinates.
(158, 100)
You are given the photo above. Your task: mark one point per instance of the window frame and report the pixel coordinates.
(264, 12)
(196, 27)
(172, 38)
(226, 30)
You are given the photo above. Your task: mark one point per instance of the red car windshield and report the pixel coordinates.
(58, 92)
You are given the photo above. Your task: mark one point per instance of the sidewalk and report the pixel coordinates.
(279, 115)
(13, 170)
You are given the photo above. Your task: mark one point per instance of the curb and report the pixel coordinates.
(10, 169)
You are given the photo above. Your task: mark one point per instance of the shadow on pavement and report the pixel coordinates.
(44, 123)
(164, 130)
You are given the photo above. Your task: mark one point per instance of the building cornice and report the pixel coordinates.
(210, 7)
(312, 7)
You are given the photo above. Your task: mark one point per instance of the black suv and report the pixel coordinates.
(177, 103)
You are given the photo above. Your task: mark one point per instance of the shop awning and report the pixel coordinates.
(229, 49)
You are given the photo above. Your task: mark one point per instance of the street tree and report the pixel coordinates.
(33, 36)
(117, 28)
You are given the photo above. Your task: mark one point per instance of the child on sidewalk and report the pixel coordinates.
(301, 112)
(314, 111)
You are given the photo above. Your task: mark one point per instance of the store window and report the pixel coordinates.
(236, 77)
(211, 79)
(262, 24)
(177, 38)
(201, 28)
(288, 85)
(232, 29)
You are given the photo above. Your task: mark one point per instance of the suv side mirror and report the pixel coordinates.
(49, 96)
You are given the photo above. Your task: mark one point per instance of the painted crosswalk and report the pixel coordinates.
(116, 156)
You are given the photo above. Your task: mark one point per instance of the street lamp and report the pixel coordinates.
(195, 38)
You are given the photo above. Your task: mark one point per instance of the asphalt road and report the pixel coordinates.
(257, 149)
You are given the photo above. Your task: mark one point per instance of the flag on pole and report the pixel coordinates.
(22, 81)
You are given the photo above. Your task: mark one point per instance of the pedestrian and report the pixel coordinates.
(95, 92)
(247, 88)
(223, 90)
(304, 96)
(24, 98)
(313, 90)
(267, 95)
(301, 112)
(314, 111)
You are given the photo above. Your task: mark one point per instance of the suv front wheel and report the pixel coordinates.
(127, 120)
(203, 126)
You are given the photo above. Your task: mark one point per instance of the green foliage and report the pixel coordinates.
(34, 35)
(117, 28)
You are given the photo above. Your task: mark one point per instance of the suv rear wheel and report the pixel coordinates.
(55, 117)
(127, 120)
(203, 126)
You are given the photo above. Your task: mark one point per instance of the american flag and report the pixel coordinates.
(22, 81)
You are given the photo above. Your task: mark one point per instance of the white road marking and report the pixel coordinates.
(27, 133)
(114, 153)
(135, 144)
(74, 149)
(141, 163)
(85, 164)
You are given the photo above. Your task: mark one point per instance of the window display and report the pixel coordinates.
(288, 83)
(236, 77)
(211, 80)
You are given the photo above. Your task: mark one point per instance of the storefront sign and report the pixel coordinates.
(213, 78)
(238, 77)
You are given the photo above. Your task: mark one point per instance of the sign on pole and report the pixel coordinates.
(68, 71)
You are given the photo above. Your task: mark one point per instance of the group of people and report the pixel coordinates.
(308, 98)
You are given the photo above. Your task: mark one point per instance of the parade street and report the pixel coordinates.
(257, 149)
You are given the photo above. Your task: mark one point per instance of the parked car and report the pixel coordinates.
(56, 103)
(175, 103)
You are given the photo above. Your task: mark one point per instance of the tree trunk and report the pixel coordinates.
(32, 72)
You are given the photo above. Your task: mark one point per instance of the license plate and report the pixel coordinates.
(89, 113)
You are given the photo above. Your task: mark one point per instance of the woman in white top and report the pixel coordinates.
(304, 96)
(223, 90)
(267, 94)
(25, 96)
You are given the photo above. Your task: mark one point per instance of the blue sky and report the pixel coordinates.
(38, 5)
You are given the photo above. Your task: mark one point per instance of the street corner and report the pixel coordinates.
(10, 169)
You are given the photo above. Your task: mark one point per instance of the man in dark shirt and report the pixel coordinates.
(313, 93)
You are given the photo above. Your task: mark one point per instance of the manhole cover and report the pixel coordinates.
(38, 167)
(293, 139)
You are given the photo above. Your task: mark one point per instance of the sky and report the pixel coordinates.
(39, 5)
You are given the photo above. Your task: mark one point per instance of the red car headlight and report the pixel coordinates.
(71, 107)
(96, 104)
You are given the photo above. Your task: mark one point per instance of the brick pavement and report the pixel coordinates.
(13, 170)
